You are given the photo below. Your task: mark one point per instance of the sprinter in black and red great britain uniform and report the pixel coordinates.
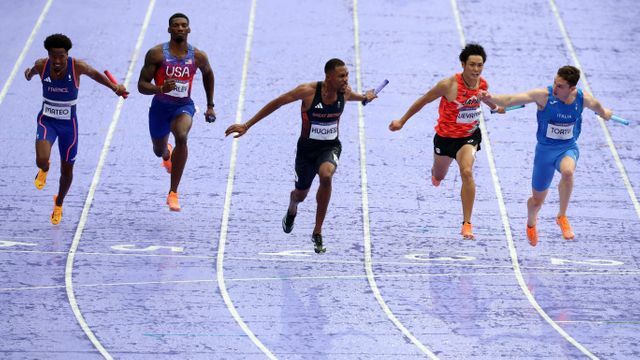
(60, 76)
(318, 147)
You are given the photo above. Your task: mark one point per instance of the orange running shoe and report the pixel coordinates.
(172, 201)
(56, 215)
(434, 181)
(41, 179)
(563, 222)
(467, 231)
(167, 163)
(532, 235)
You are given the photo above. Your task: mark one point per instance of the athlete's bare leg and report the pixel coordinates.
(180, 127)
(297, 196)
(565, 187)
(160, 147)
(534, 204)
(66, 178)
(440, 167)
(43, 153)
(325, 173)
(465, 157)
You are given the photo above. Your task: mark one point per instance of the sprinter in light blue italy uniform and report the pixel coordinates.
(57, 120)
(559, 123)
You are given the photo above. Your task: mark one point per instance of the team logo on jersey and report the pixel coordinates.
(470, 102)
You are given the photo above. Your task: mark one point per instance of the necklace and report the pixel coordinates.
(466, 83)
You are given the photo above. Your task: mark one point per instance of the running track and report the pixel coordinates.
(121, 277)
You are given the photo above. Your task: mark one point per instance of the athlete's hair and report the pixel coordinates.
(570, 73)
(178, 15)
(332, 64)
(472, 49)
(57, 41)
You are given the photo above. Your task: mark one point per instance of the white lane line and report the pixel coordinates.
(560, 268)
(68, 275)
(23, 53)
(323, 277)
(365, 201)
(229, 192)
(603, 126)
(507, 228)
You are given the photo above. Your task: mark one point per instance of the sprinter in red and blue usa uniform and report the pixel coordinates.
(319, 147)
(57, 120)
(559, 124)
(171, 66)
(457, 134)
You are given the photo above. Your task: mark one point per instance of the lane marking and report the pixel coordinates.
(505, 221)
(229, 192)
(603, 126)
(68, 273)
(365, 200)
(133, 247)
(9, 243)
(17, 65)
(322, 277)
(442, 261)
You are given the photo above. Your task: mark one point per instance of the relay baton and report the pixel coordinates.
(618, 119)
(377, 90)
(509, 108)
(113, 80)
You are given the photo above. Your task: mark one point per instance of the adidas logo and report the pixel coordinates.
(319, 106)
(47, 79)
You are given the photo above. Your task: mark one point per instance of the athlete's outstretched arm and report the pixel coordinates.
(208, 80)
(36, 69)
(298, 93)
(82, 68)
(538, 96)
(350, 95)
(434, 93)
(592, 103)
(151, 61)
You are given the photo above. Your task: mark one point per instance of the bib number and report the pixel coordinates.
(181, 90)
(57, 112)
(468, 116)
(560, 131)
(324, 131)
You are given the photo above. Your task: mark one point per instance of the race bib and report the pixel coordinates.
(469, 115)
(324, 131)
(181, 90)
(57, 111)
(560, 131)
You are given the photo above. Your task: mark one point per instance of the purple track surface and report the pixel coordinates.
(135, 281)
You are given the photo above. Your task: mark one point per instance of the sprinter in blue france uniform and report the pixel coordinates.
(60, 76)
(171, 66)
(559, 123)
(319, 147)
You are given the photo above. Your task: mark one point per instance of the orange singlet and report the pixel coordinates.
(460, 118)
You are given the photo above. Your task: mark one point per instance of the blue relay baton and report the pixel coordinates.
(377, 90)
(509, 108)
